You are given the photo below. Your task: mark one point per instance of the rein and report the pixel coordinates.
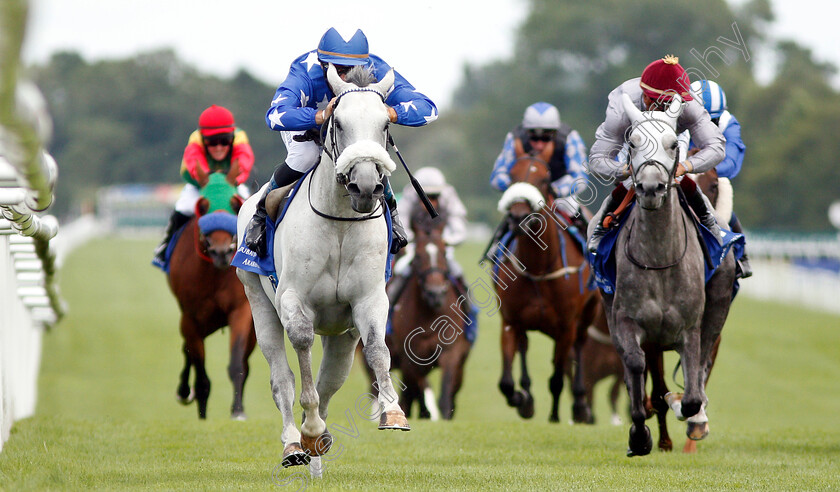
(561, 272)
(380, 209)
(200, 247)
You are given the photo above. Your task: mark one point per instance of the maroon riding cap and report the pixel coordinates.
(665, 77)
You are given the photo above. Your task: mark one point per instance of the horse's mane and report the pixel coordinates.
(361, 76)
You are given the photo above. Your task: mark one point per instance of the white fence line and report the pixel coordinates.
(787, 270)
(29, 298)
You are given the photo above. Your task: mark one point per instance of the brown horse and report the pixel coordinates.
(708, 182)
(541, 286)
(598, 361)
(428, 321)
(210, 297)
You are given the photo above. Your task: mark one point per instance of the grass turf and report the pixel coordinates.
(107, 416)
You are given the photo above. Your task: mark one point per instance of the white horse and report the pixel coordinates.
(330, 256)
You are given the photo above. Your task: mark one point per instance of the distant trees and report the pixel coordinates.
(128, 120)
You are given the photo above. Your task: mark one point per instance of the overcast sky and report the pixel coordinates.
(428, 41)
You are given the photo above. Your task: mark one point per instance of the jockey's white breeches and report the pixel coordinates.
(300, 156)
(190, 195)
(403, 265)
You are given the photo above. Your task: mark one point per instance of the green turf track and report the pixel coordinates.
(107, 416)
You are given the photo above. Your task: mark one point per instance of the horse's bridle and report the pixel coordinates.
(671, 174)
(334, 154)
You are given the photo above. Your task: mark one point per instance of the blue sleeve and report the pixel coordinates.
(500, 177)
(294, 104)
(575, 158)
(730, 166)
(412, 107)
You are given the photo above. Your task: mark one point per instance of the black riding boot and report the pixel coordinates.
(611, 203)
(399, 239)
(702, 208)
(744, 262)
(255, 238)
(176, 220)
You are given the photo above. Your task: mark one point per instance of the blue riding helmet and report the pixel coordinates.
(712, 96)
(334, 49)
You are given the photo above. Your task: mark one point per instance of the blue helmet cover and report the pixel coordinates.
(334, 49)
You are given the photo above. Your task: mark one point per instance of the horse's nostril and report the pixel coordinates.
(378, 189)
(353, 188)
(660, 187)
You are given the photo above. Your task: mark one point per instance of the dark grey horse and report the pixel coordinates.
(660, 300)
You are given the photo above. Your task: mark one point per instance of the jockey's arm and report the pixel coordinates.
(705, 135)
(233, 173)
(411, 107)
(730, 166)
(293, 107)
(574, 156)
(241, 159)
(609, 140)
(201, 176)
(500, 177)
(455, 231)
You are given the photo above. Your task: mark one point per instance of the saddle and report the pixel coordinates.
(276, 200)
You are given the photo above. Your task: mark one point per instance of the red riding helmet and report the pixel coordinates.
(215, 120)
(665, 77)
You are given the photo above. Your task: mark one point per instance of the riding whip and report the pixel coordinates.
(419, 189)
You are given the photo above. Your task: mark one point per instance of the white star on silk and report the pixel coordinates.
(279, 98)
(408, 105)
(311, 60)
(304, 99)
(276, 119)
(432, 117)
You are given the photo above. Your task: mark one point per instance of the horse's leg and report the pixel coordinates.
(335, 367)
(242, 341)
(625, 336)
(185, 394)
(369, 317)
(581, 408)
(615, 391)
(506, 385)
(555, 383)
(693, 372)
(452, 368)
(269, 334)
(194, 348)
(526, 408)
(656, 367)
(301, 332)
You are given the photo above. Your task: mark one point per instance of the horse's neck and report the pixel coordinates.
(662, 228)
(540, 254)
(325, 193)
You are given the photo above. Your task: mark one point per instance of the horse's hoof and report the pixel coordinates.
(317, 446)
(394, 420)
(185, 400)
(294, 455)
(697, 431)
(526, 407)
(640, 443)
(674, 400)
(239, 416)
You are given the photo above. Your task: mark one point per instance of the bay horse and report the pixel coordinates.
(210, 296)
(661, 300)
(427, 332)
(542, 287)
(329, 254)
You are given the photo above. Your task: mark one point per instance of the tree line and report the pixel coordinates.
(127, 121)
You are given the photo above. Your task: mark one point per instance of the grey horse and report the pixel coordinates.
(661, 301)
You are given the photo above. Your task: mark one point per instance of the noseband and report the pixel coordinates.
(334, 154)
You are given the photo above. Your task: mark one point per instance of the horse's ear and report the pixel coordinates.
(202, 206)
(236, 203)
(338, 86)
(630, 109)
(384, 85)
(518, 149)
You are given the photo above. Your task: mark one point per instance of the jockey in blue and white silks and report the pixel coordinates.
(304, 101)
(541, 127)
(714, 100)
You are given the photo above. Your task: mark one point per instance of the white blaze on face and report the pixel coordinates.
(432, 251)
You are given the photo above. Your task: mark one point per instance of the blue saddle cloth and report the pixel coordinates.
(167, 256)
(603, 261)
(249, 261)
